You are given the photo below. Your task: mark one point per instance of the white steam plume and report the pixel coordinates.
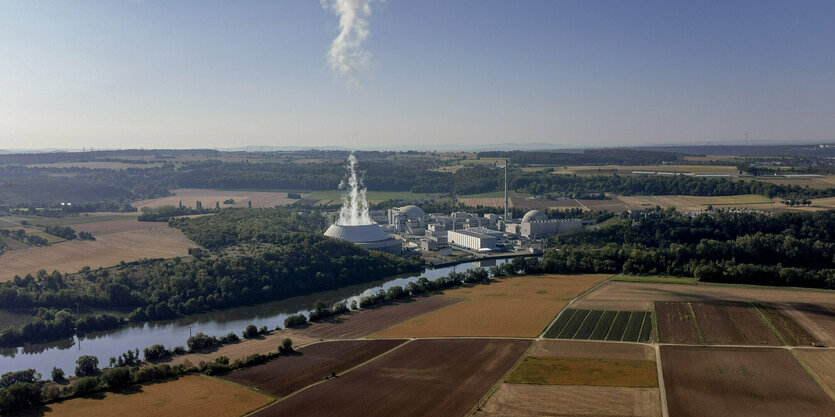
(354, 211)
(346, 56)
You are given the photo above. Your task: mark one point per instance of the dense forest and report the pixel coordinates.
(783, 249)
(268, 254)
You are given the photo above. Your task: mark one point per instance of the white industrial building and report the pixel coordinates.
(536, 225)
(368, 236)
(470, 239)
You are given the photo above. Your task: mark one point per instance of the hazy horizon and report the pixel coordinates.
(182, 74)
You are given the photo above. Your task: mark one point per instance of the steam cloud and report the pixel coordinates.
(346, 56)
(354, 211)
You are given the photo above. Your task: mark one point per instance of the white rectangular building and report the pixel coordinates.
(471, 240)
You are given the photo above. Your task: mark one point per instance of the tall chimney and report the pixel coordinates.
(506, 161)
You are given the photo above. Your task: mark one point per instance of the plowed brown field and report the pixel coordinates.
(579, 349)
(512, 307)
(714, 381)
(635, 291)
(191, 395)
(523, 400)
(364, 322)
(822, 317)
(291, 373)
(712, 323)
(822, 364)
(421, 378)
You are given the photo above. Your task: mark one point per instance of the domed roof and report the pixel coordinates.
(412, 211)
(534, 215)
(361, 233)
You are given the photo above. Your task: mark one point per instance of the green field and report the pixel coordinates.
(626, 326)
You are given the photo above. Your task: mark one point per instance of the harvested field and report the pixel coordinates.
(712, 323)
(634, 291)
(585, 371)
(421, 378)
(822, 365)
(627, 326)
(580, 349)
(627, 305)
(819, 319)
(96, 165)
(611, 204)
(697, 203)
(789, 331)
(246, 347)
(367, 321)
(153, 240)
(514, 307)
(189, 197)
(291, 373)
(522, 400)
(540, 204)
(191, 395)
(712, 381)
(485, 202)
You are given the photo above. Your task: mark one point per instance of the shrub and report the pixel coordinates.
(19, 395)
(295, 320)
(250, 332)
(86, 385)
(87, 365)
(286, 346)
(201, 341)
(152, 373)
(57, 374)
(116, 377)
(155, 352)
(230, 338)
(179, 350)
(10, 378)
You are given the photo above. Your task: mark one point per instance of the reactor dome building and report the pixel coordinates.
(368, 236)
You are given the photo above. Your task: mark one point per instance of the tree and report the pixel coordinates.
(57, 374)
(87, 365)
(19, 396)
(250, 332)
(286, 346)
(116, 377)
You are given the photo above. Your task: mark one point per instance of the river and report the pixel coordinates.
(104, 345)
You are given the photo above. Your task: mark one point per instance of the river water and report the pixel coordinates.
(105, 345)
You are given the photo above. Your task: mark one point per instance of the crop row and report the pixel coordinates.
(627, 326)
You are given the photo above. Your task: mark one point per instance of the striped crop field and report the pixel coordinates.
(579, 324)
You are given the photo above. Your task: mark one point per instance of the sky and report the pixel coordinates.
(572, 74)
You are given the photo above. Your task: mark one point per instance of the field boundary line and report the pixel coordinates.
(812, 374)
(273, 398)
(492, 390)
(662, 390)
(570, 302)
(278, 400)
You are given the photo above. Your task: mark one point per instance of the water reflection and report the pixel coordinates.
(63, 353)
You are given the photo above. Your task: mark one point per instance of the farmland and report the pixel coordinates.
(585, 371)
(362, 323)
(312, 363)
(422, 377)
(713, 381)
(821, 364)
(627, 326)
(116, 241)
(634, 291)
(189, 197)
(819, 319)
(188, 396)
(712, 323)
(515, 307)
(571, 400)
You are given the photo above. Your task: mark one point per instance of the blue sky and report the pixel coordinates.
(127, 74)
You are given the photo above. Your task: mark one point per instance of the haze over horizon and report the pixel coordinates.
(181, 74)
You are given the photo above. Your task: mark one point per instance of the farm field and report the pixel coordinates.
(512, 307)
(582, 349)
(697, 203)
(246, 347)
(116, 241)
(362, 323)
(523, 400)
(790, 331)
(189, 197)
(335, 196)
(627, 326)
(96, 165)
(819, 319)
(634, 291)
(712, 323)
(288, 374)
(67, 220)
(585, 371)
(420, 378)
(190, 395)
(628, 169)
(822, 365)
(713, 381)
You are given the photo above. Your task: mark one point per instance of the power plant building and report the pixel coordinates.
(536, 225)
(475, 239)
(368, 236)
